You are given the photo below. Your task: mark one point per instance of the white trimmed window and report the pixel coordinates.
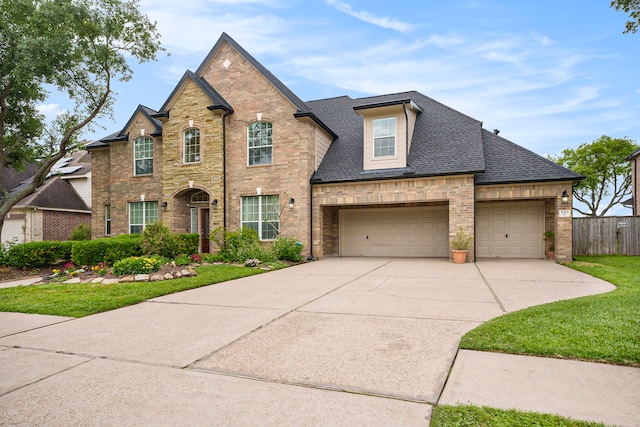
(262, 213)
(260, 143)
(143, 155)
(142, 214)
(107, 220)
(384, 137)
(191, 146)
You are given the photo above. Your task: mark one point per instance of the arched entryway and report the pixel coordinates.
(191, 213)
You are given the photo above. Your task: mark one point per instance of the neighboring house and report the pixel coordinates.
(389, 175)
(633, 202)
(60, 204)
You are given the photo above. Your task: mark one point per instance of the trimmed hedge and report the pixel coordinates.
(109, 250)
(39, 254)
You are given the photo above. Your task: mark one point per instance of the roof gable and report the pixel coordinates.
(281, 87)
(217, 101)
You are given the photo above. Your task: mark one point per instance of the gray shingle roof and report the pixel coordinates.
(121, 135)
(507, 162)
(445, 141)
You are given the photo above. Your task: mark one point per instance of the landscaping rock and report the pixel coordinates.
(141, 278)
(97, 280)
(110, 281)
(157, 276)
(185, 273)
(74, 280)
(168, 276)
(126, 279)
(177, 274)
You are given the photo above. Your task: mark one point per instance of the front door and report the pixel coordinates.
(204, 230)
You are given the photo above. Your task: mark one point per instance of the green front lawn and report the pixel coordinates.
(473, 416)
(78, 300)
(601, 328)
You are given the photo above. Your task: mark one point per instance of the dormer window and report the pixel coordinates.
(384, 137)
(143, 155)
(387, 130)
(191, 145)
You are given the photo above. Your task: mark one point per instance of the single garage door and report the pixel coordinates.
(510, 230)
(395, 232)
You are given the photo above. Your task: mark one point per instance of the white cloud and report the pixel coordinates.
(364, 16)
(50, 111)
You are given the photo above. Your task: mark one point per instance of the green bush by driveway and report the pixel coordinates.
(601, 328)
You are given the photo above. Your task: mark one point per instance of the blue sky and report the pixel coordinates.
(550, 74)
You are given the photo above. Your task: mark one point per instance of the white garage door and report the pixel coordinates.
(395, 232)
(510, 229)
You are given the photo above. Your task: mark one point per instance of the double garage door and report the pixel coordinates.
(503, 230)
(395, 232)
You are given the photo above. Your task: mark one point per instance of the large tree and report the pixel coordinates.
(632, 7)
(73, 47)
(607, 170)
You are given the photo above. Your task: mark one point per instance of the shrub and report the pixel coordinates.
(4, 250)
(158, 240)
(187, 243)
(38, 254)
(109, 250)
(81, 232)
(218, 236)
(137, 265)
(242, 245)
(287, 249)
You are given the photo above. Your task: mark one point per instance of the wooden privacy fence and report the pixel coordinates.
(609, 235)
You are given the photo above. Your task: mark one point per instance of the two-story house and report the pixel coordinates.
(390, 175)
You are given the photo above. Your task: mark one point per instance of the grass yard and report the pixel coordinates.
(79, 300)
(474, 416)
(601, 328)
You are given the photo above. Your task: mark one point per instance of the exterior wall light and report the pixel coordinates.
(164, 205)
(565, 197)
(291, 202)
(214, 202)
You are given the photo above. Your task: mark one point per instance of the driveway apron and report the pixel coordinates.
(280, 348)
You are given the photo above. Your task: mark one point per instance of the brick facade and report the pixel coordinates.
(456, 191)
(58, 225)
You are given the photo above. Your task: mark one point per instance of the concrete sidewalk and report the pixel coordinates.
(343, 341)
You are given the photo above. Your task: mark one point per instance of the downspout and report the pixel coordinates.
(310, 257)
(475, 221)
(224, 171)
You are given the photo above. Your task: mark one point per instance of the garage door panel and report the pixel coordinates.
(400, 232)
(510, 229)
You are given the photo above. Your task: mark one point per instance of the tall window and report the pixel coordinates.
(260, 144)
(107, 220)
(143, 155)
(142, 214)
(192, 145)
(384, 137)
(262, 213)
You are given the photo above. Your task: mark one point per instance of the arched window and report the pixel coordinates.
(260, 144)
(200, 196)
(191, 145)
(143, 155)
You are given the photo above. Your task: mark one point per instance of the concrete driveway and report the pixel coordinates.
(342, 341)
